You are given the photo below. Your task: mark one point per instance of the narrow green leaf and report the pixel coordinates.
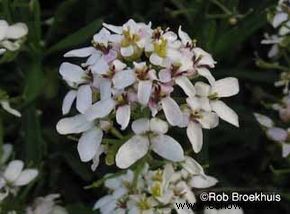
(76, 38)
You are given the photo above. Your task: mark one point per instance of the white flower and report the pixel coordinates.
(10, 36)
(149, 134)
(222, 88)
(89, 144)
(46, 205)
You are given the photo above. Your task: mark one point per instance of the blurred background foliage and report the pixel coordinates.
(242, 159)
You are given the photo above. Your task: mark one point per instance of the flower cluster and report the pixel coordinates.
(155, 191)
(280, 20)
(13, 175)
(280, 49)
(137, 68)
(11, 36)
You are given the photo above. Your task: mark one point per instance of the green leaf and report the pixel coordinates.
(34, 143)
(76, 38)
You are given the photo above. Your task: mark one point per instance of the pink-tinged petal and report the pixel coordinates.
(172, 111)
(164, 75)
(100, 109)
(226, 87)
(131, 151)
(123, 115)
(89, 143)
(84, 98)
(72, 73)
(209, 120)
(203, 181)
(167, 147)
(184, 83)
(26, 177)
(105, 88)
(285, 150)
(277, 134)
(16, 31)
(82, 52)
(141, 126)
(194, 134)
(225, 112)
(13, 170)
(127, 51)
(123, 79)
(144, 91)
(202, 89)
(73, 125)
(158, 126)
(68, 101)
(207, 74)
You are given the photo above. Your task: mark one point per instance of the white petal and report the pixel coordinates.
(158, 126)
(192, 166)
(3, 29)
(279, 18)
(105, 88)
(164, 75)
(225, 112)
(202, 89)
(185, 39)
(82, 52)
(167, 147)
(127, 51)
(118, 65)
(26, 177)
(68, 101)
(7, 151)
(6, 106)
(16, 31)
(103, 201)
(226, 87)
(202, 181)
(11, 46)
(73, 125)
(156, 60)
(194, 134)
(124, 78)
(205, 58)
(209, 120)
(193, 103)
(13, 170)
(141, 126)
(172, 111)
(285, 149)
(84, 98)
(264, 120)
(123, 115)
(100, 67)
(100, 109)
(144, 91)
(131, 151)
(89, 143)
(186, 86)
(72, 73)
(2, 51)
(113, 28)
(96, 158)
(206, 73)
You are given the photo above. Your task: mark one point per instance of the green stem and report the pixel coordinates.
(116, 133)
(222, 7)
